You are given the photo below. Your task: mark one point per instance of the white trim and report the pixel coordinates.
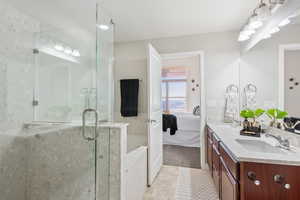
(202, 94)
(281, 74)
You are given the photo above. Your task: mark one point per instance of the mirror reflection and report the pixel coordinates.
(273, 68)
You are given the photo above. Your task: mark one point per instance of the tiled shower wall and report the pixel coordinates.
(56, 165)
(17, 33)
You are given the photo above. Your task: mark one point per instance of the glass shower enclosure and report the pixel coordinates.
(54, 64)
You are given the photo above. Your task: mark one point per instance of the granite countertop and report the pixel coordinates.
(230, 136)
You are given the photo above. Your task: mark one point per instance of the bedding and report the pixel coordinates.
(188, 133)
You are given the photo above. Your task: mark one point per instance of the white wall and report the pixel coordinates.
(259, 66)
(292, 70)
(221, 63)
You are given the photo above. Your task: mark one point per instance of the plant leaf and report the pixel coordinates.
(258, 112)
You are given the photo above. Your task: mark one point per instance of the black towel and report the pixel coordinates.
(170, 121)
(129, 97)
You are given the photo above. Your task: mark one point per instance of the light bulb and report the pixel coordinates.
(267, 36)
(255, 22)
(59, 47)
(285, 22)
(103, 27)
(76, 53)
(274, 30)
(243, 38)
(68, 50)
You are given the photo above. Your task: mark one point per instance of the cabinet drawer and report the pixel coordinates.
(231, 164)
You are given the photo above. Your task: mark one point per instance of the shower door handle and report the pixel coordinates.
(89, 138)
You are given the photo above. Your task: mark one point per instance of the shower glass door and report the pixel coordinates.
(48, 63)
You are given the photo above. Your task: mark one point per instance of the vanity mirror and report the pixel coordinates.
(273, 66)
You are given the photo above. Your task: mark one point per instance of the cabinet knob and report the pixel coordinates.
(252, 176)
(257, 182)
(287, 186)
(278, 179)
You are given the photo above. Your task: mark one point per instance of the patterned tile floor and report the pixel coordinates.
(178, 183)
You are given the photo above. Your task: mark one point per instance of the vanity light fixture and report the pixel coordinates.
(260, 14)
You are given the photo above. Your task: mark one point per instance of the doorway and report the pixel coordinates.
(182, 104)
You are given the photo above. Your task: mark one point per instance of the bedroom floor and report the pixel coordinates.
(179, 183)
(181, 156)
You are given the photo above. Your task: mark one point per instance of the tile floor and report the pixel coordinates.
(181, 156)
(179, 183)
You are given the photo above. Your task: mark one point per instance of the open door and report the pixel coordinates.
(155, 143)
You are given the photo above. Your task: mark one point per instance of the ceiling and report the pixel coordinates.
(146, 19)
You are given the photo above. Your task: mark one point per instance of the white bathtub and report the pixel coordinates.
(136, 173)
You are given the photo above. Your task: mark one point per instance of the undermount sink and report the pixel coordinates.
(259, 146)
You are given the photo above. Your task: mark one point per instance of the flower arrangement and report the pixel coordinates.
(250, 124)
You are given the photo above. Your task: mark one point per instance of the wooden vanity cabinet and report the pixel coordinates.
(249, 180)
(269, 181)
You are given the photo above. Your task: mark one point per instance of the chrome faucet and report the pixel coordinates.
(284, 143)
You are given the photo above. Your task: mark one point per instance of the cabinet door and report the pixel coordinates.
(209, 153)
(269, 181)
(229, 186)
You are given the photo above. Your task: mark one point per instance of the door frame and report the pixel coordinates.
(202, 100)
(281, 74)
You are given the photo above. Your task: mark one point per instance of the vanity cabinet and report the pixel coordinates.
(249, 180)
(269, 181)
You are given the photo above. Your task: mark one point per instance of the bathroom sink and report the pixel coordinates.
(259, 146)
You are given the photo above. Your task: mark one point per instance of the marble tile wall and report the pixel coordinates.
(17, 33)
(59, 164)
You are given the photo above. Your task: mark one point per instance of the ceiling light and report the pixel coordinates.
(255, 22)
(103, 27)
(68, 50)
(59, 47)
(274, 30)
(76, 53)
(285, 22)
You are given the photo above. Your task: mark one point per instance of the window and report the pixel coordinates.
(174, 89)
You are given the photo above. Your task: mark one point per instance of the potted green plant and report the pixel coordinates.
(276, 115)
(250, 124)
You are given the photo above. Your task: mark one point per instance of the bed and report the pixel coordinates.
(188, 133)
